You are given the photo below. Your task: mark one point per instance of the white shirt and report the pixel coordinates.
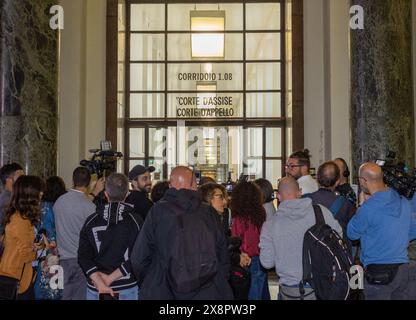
(308, 184)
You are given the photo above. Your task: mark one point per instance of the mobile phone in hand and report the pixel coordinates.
(107, 296)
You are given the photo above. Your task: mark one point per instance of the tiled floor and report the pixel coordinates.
(273, 285)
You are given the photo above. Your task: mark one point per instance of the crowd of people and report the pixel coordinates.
(184, 240)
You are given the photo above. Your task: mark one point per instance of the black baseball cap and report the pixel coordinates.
(139, 170)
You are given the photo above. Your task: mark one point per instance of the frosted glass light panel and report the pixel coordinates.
(254, 142)
(147, 105)
(137, 144)
(148, 47)
(157, 142)
(264, 105)
(263, 16)
(274, 142)
(208, 106)
(207, 45)
(263, 46)
(147, 77)
(184, 76)
(233, 46)
(147, 17)
(178, 14)
(273, 171)
(263, 76)
(133, 163)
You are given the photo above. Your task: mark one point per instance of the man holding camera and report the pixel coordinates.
(141, 180)
(106, 242)
(384, 225)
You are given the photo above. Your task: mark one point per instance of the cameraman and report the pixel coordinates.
(384, 225)
(141, 181)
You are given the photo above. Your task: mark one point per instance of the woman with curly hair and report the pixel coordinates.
(248, 217)
(20, 249)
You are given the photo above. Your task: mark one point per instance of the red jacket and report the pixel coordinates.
(249, 234)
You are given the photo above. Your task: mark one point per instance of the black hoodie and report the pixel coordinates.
(106, 242)
(153, 248)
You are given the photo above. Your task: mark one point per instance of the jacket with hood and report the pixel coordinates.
(153, 248)
(106, 242)
(383, 224)
(281, 239)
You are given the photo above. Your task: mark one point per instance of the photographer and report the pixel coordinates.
(141, 181)
(384, 225)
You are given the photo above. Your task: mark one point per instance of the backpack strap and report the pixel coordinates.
(306, 263)
(319, 217)
(337, 205)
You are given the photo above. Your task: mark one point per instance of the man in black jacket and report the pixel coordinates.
(341, 208)
(141, 180)
(106, 242)
(154, 255)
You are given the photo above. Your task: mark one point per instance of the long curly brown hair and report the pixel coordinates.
(26, 198)
(247, 203)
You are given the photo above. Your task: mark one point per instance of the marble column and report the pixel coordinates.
(382, 113)
(28, 86)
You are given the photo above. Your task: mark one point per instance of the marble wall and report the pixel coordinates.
(382, 113)
(28, 86)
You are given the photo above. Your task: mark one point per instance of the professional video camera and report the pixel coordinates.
(397, 176)
(103, 161)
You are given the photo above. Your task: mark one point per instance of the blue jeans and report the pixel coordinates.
(127, 294)
(259, 289)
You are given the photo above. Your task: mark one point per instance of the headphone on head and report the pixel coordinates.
(346, 173)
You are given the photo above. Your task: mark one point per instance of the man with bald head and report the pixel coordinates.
(181, 213)
(384, 227)
(281, 239)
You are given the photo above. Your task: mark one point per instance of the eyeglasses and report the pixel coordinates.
(291, 166)
(219, 196)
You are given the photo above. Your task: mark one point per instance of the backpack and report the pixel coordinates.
(326, 262)
(193, 262)
(337, 205)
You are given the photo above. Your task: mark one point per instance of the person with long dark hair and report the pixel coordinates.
(268, 197)
(20, 249)
(159, 190)
(55, 187)
(248, 217)
(216, 196)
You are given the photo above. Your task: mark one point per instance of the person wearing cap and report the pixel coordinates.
(141, 181)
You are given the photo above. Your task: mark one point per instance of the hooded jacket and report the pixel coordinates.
(383, 224)
(106, 242)
(281, 238)
(153, 248)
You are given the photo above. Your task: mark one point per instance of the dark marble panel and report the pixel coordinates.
(28, 85)
(382, 115)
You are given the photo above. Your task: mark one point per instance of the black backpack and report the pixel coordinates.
(193, 261)
(326, 262)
